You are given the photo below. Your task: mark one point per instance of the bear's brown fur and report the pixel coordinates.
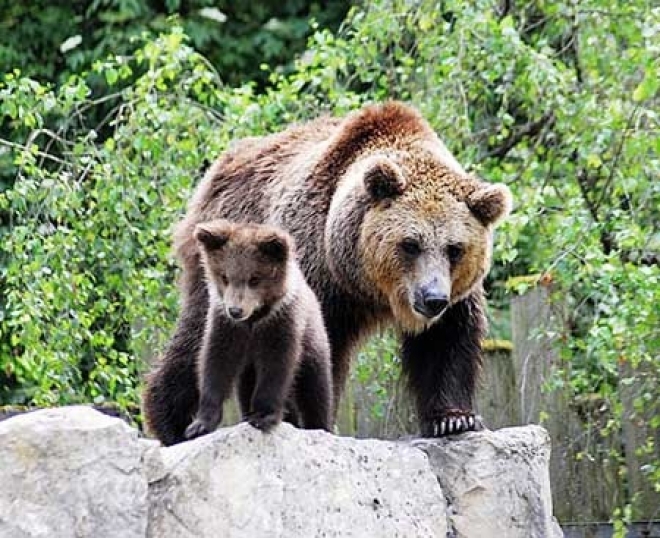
(390, 230)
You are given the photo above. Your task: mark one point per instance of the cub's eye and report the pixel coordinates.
(254, 282)
(411, 247)
(455, 253)
(224, 280)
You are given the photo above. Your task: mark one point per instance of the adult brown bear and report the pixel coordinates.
(390, 231)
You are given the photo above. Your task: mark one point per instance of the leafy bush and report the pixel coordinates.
(89, 278)
(52, 40)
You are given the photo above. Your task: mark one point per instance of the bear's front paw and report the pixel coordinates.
(452, 421)
(196, 429)
(264, 420)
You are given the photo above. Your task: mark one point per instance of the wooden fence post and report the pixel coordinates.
(585, 482)
(633, 384)
(497, 395)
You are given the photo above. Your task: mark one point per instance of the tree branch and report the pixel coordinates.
(504, 8)
(26, 148)
(607, 240)
(529, 130)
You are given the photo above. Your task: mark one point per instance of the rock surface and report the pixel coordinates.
(73, 472)
(294, 483)
(497, 483)
(70, 472)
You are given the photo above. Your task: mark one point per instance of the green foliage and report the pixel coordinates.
(52, 40)
(377, 370)
(89, 278)
(558, 100)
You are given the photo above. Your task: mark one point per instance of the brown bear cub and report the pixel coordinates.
(264, 332)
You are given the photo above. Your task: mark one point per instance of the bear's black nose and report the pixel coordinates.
(430, 303)
(235, 312)
(435, 303)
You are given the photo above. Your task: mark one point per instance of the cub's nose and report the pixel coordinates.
(235, 312)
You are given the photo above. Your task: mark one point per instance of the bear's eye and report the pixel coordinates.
(454, 253)
(254, 282)
(224, 280)
(411, 247)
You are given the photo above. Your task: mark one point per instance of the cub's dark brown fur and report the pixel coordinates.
(264, 333)
(390, 230)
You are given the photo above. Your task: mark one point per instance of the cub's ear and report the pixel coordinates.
(490, 203)
(383, 179)
(275, 246)
(213, 235)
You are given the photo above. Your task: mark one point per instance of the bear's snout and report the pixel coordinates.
(235, 312)
(430, 301)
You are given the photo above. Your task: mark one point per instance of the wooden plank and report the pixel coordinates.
(641, 442)
(585, 481)
(497, 396)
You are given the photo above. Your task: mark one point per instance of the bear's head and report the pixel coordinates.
(412, 231)
(246, 266)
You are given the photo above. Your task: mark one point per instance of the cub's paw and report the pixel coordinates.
(196, 429)
(450, 422)
(264, 421)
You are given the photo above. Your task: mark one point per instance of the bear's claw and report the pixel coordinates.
(196, 429)
(264, 421)
(453, 422)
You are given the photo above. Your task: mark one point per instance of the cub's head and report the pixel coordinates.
(245, 266)
(414, 232)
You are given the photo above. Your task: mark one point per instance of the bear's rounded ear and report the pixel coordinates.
(383, 179)
(275, 246)
(213, 235)
(490, 202)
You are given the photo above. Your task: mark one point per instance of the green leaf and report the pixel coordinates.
(111, 75)
(71, 43)
(649, 85)
(594, 161)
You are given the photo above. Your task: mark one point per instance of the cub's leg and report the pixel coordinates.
(220, 361)
(275, 357)
(246, 385)
(291, 412)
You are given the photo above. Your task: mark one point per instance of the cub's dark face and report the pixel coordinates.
(245, 266)
(427, 244)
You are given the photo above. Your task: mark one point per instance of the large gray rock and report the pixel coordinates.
(239, 482)
(70, 472)
(73, 472)
(496, 482)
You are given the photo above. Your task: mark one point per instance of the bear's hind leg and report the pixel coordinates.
(171, 396)
(313, 389)
(170, 400)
